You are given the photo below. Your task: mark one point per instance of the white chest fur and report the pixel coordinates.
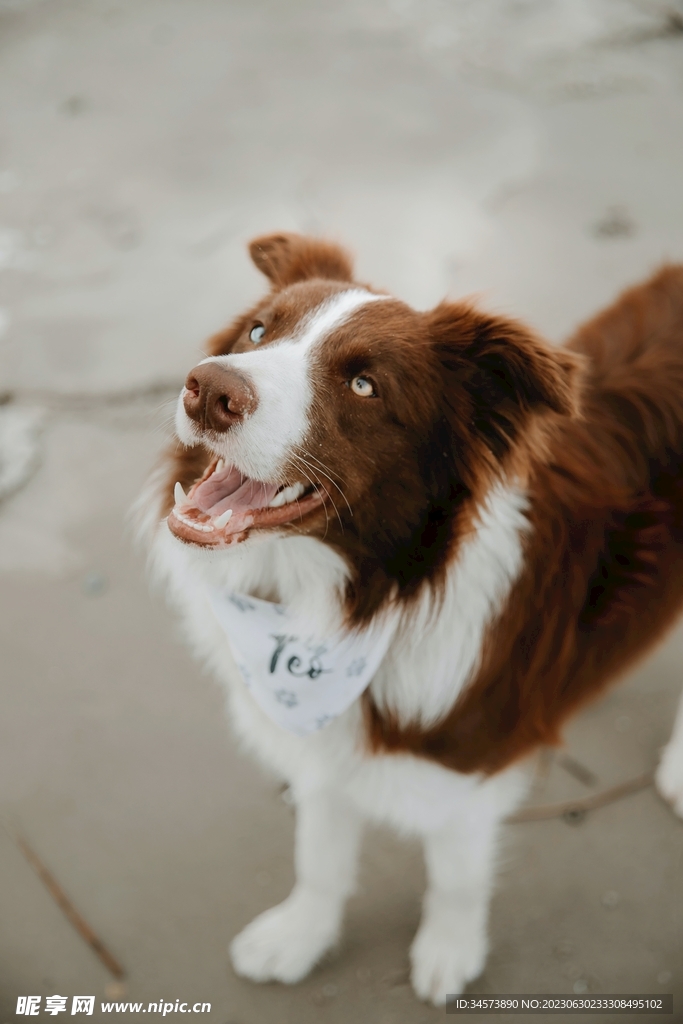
(436, 651)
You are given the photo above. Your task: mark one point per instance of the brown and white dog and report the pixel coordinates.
(516, 510)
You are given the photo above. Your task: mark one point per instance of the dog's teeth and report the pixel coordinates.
(179, 494)
(287, 495)
(224, 518)
(220, 466)
(204, 527)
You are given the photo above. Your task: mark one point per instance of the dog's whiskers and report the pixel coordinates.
(303, 462)
(314, 484)
(325, 471)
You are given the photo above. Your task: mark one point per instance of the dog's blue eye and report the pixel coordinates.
(256, 333)
(362, 386)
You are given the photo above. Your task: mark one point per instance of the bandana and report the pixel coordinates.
(300, 680)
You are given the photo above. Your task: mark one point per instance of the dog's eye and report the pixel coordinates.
(363, 387)
(256, 333)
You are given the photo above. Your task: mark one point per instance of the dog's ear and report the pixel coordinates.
(287, 258)
(497, 374)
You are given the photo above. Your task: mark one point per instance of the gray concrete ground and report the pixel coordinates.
(531, 153)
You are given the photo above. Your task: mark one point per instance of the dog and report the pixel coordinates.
(410, 545)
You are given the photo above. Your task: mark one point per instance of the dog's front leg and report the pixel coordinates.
(284, 943)
(451, 944)
(670, 772)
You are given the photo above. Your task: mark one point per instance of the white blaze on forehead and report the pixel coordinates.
(333, 313)
(261, 444)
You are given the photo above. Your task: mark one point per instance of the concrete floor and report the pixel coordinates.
(532, 156)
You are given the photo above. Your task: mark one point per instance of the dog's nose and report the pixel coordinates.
(217, 397)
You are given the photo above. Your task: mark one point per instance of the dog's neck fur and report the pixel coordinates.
(440, 636)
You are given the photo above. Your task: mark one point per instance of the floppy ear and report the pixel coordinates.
(497, 374)
(288, 258)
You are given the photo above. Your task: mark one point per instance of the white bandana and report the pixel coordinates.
(300, 680)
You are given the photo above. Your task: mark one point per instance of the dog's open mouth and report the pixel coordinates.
(224, 505)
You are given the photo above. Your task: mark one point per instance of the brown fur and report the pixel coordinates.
(595, 432)
(604, 568)
(288, 258)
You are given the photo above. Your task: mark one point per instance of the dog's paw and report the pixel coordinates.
(669, 776)
(444, 960)
(285, 943)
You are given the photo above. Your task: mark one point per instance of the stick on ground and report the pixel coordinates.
(66, 906)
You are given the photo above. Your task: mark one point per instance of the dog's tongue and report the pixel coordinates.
(231, 489)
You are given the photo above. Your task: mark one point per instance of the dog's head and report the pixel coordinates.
(337, 411)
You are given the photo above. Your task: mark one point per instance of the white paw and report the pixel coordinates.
(445, 959)
(669, 777)
(285, 943)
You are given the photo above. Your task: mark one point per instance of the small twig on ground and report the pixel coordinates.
(588, 803)
(66, 906)
(577, 770)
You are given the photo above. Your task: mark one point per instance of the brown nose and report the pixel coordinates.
(217, 397)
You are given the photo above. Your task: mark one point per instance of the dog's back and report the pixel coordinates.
(635, 378)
